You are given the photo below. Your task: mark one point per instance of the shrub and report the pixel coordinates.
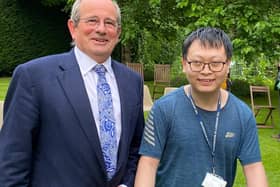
(29, 30)
(178, 80)
(148, 75)
(240, 88)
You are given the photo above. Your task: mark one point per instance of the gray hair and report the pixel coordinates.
(209, 36)
(75, 12)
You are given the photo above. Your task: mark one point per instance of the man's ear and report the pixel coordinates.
(71, 28)
(119, 32)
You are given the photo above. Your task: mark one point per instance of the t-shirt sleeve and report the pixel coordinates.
(249, 149)
(155, 133)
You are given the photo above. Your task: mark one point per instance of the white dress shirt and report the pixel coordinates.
(90, 77)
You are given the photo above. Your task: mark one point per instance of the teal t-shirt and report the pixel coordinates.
(174, 136)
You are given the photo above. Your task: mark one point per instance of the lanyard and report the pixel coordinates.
(213, 149)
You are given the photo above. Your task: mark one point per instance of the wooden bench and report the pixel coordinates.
(161, 78)
(137, 67)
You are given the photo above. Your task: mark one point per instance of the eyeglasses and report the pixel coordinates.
(197, 66)
(95, 22)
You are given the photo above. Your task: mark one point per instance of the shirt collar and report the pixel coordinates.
(86, 63)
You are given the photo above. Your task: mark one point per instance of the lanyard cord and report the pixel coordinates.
(204, 131)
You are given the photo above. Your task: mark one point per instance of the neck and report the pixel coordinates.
(207, 101)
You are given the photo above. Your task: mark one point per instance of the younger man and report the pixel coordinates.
(194, 135)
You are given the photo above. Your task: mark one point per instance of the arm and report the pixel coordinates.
(255, 175)
(146, 172)
(133, 157)
(17, 134)
(250, 155)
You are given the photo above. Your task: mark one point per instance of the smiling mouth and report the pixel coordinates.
(206, 81)
(99, 40)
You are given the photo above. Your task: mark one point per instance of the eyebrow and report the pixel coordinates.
(107, 18)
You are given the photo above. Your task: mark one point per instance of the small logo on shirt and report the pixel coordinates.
(229, 135)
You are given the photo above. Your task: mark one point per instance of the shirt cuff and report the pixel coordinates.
(122, 185)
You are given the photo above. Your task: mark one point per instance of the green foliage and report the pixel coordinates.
(160, 51)
(150, 29)
(178, 77)
(149, 74)
(28, 31)
(253, 26)
(52, 3)
(259, 73)
(178, 80)
(153, 29)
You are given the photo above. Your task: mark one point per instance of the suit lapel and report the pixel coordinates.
(72, 83)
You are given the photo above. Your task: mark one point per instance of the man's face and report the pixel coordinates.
(97, 32)
(205, 80)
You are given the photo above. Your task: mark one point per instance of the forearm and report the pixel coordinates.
(255, 175)
(146, 172)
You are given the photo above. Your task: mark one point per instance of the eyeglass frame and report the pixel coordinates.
(204, 64)
(95, 22)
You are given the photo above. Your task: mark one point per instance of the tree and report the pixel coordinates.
(153, 29)
(254, 27)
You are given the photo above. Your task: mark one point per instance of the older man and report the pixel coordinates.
(73, 119)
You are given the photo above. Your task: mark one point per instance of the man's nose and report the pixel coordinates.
(206, 68)
(100, 27)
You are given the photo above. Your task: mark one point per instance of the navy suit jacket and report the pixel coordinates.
(49, 137)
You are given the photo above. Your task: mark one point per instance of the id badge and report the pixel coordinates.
(212, 180)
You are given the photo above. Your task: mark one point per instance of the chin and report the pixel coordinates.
(101, 53)
(207, 89)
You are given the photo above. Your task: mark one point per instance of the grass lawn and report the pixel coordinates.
(270, 148)
(4, 82)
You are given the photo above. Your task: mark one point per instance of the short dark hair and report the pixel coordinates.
(208, 36)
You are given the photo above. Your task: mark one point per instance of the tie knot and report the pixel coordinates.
(100, 69)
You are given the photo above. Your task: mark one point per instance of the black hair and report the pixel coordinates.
(209, 36)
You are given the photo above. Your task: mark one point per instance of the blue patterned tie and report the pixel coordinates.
(108, 138)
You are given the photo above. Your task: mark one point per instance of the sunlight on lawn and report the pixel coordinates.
(4, 82)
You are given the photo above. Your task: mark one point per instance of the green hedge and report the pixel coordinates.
(29, 30)
(240, 88)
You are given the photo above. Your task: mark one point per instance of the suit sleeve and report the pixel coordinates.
(18, 131)
(134, 156)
